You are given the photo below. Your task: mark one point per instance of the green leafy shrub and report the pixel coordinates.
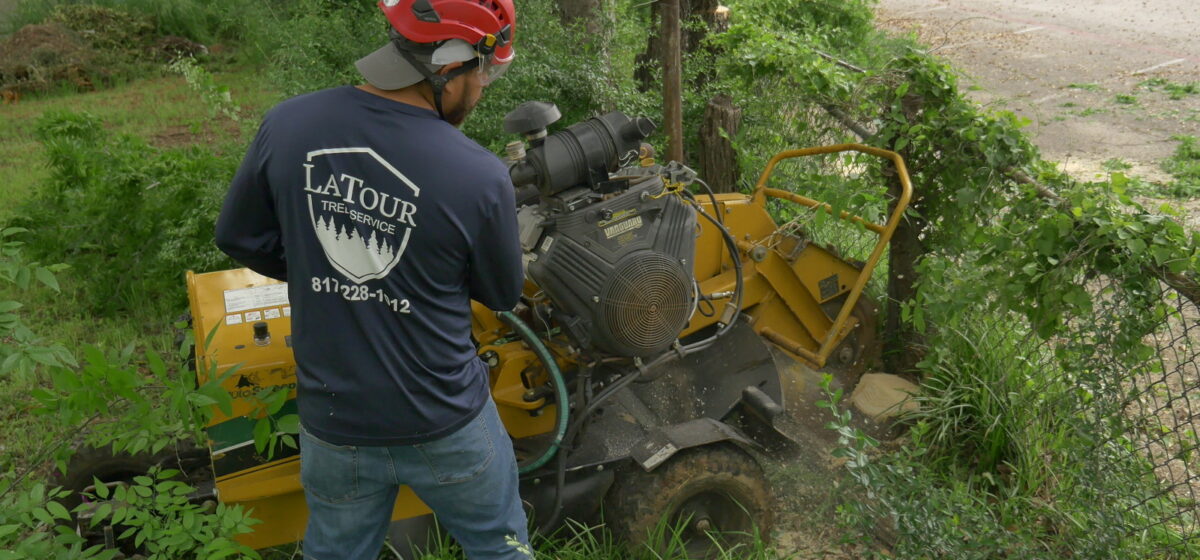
(135, 217)
(21, 350)
(1035, 295)
(157, 516)
(130, 404)
(113, 400)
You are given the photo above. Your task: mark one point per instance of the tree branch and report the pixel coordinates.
(1185, 284)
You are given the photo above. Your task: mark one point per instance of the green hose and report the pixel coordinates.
(560, 387)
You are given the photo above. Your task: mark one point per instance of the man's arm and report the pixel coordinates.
(496, 273)
(248, 228)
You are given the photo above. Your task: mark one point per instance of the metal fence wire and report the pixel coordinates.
(1142, 409)
(1122, 380)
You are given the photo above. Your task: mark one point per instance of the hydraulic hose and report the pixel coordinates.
(563, 403)
(739, 289)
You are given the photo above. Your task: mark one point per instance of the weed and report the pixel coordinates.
(135, 217)
(1126, 99)
(1174, 91)
(1179, 91)
(1116, 164)
(1085, 87)
(1184, 166)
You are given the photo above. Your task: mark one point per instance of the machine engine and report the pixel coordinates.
(612, 251)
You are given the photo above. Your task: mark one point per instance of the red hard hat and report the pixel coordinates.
(489, 25)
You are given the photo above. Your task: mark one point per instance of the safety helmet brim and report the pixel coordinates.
(387, 69)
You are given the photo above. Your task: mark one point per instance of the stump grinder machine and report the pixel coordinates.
(664, 339)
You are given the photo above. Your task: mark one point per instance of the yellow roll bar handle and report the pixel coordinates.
(761, 193)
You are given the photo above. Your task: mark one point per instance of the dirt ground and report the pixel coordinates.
(1073, 68)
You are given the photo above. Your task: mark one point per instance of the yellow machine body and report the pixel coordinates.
(800, 297)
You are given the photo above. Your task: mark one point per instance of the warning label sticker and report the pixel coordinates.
(287, 311)
(274, 295)
(235, 319)
(272, 313)
(253, 315)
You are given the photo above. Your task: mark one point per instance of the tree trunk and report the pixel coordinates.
(689, 12)
(903, 345)
(583, 12)
(901, 341)
(718, 159)
(673, 79)
(697, 11)
(647, 63)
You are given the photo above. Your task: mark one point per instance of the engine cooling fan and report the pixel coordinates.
(647, 301)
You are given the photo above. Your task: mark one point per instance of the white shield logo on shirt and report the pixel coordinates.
(362, 228)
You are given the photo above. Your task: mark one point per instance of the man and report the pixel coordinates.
(385, 220)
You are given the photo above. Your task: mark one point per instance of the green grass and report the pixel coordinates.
(1184, 166)
(1085, 87)
(164, 110)
(1175, 91)
(1116, 164)
(578, 542)
(206, 21)
(1089, 111)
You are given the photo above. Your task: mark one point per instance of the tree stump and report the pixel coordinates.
(718, 160)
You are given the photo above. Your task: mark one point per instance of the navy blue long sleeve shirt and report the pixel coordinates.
(385, 221)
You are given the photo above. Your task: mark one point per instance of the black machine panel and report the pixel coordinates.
(620, 267)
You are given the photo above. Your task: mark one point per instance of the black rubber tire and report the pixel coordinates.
(101, 463)
(719, 482)
(89, 463)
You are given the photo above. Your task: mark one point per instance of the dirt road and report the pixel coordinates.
(1095, 77)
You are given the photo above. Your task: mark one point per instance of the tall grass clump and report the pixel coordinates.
(991, 400)
(999, 461)
(205, 21)
(134, 217)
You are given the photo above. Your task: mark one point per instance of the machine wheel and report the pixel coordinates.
(716, 495)
(101, 463)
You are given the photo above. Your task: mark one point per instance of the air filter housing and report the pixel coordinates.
(621, 270)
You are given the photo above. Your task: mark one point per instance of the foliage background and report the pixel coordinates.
(1057, 363)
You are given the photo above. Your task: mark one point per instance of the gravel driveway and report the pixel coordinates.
(1094, 77)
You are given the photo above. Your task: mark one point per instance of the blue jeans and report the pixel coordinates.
(468, 478)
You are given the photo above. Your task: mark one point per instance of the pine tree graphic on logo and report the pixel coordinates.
(357, 257)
